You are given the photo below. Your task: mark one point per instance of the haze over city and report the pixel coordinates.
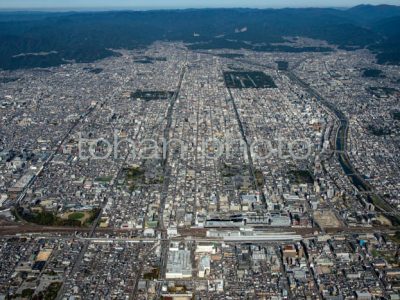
(162, 4)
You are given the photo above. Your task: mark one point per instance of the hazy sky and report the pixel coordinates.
(147, 4)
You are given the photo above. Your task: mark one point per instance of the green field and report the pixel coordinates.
(104, 179)
(248, 79)
(76, 216)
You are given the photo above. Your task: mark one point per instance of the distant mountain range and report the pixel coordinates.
(40, 39)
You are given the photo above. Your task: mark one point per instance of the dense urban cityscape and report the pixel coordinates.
(169, 172)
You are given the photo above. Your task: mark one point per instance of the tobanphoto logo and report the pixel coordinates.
(213, 148)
